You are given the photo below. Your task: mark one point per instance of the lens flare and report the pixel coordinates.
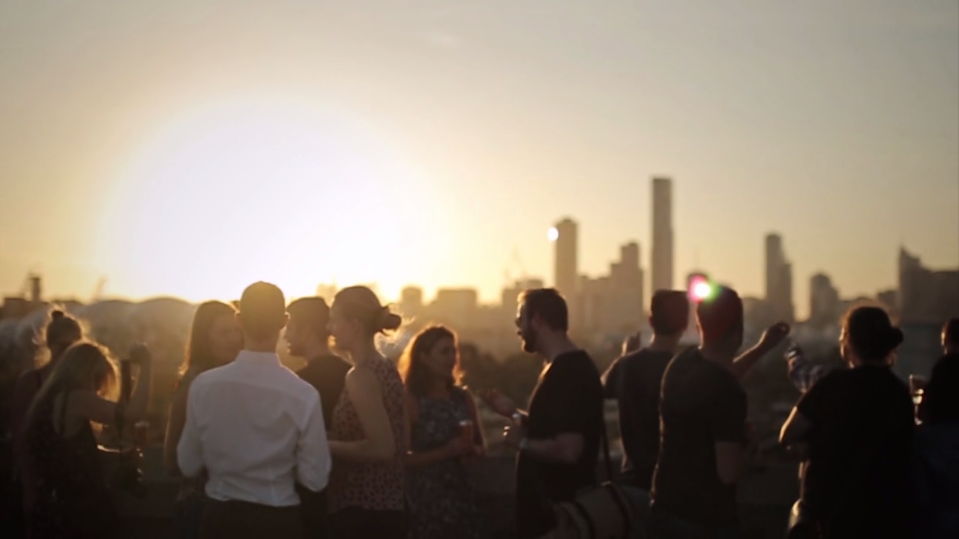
(700, 289)
(552, 234)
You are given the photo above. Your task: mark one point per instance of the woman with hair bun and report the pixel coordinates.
(368, 436)
(855, 427)
(60, 331)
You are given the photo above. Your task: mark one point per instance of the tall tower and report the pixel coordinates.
(662, 263)
(565, 264)
(779, 282)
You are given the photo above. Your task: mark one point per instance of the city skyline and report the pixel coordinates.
(427, 144)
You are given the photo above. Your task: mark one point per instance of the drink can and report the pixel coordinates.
(466, 430)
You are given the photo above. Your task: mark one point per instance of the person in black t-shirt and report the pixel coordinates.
(937, 443)
(856, 427)
(639, 377)
(558, 438)
(307, 336)
(702, 451)
(940, 398)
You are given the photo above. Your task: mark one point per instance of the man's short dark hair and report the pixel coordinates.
(951, 330)
(669, 312)
(314, 312)
(721, 315)
(549, 305)
(262, 310)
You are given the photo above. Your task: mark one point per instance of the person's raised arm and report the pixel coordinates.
(378, 443)
(90, 405)
(770, 340)
(174, 428)
(312, 456)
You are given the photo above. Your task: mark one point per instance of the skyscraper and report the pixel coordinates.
(824, 302)
(662, 263)
(565, 264)
(779, 280)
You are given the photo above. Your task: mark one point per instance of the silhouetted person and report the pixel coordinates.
(443, 502)
(215, 340)
(640, 374)
(937, 443)
(307, 336)
(254, 428)
(59, 332)
(559, 437)
(857, 425)
(702, 453)
(72, 496)
(940, 398)
(368, 437)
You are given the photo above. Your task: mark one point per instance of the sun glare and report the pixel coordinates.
(241, 193)
(552, 234)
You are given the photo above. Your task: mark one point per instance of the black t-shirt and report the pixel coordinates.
(702, 403)
(328, 375)
(641, 378)
(567, 399)
(860, 450)
(940, 399)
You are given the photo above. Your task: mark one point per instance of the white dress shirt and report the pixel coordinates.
(255, 427)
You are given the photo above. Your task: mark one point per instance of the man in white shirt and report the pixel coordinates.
(255, 428)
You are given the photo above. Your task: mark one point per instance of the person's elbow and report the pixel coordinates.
(730, 462)
(314, 477)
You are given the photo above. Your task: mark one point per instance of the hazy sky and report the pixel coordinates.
(189, 147)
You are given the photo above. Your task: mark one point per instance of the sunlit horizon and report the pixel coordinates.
(193, 150)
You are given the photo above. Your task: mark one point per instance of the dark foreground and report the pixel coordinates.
(765, 500)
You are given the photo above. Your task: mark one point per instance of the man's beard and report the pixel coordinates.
(529, 340)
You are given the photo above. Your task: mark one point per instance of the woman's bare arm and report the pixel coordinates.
(378, 444)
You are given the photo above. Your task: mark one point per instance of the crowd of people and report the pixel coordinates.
(354, 445)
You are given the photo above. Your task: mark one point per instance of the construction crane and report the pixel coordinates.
(515, 262)
(98, 290)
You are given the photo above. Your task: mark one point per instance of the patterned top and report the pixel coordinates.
(443, 503)
(377, 486)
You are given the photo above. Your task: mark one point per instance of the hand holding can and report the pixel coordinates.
(466, 431)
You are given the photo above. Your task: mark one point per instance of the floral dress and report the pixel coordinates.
(443, 503)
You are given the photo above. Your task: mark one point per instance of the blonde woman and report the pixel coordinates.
(368, 437)
(72, 498)
(59, 333)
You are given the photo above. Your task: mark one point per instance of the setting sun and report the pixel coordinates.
(228, 196)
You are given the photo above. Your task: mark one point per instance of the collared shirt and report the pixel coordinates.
(255, 427)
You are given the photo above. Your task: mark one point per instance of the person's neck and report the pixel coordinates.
(439, 388)
(664, 343)
(364, 352)
(266, 346)
(553, 346)
(717, 354)
(316, 350)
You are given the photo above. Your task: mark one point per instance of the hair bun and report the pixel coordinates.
(895, 337)
(389, 320)
(56, 314)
